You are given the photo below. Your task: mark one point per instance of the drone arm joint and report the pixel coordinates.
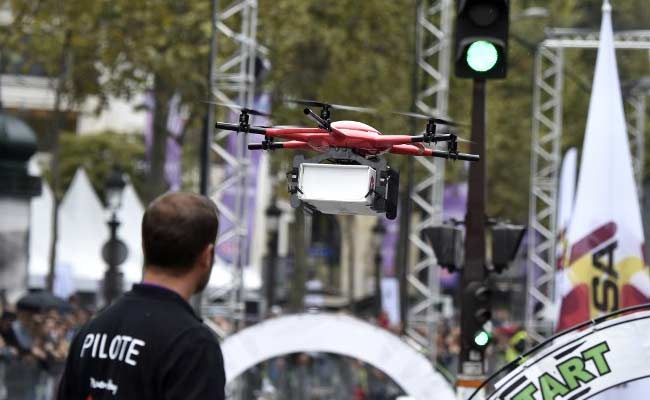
(237, 128)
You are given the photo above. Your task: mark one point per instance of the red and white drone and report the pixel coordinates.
(363, 139)
(346, 144)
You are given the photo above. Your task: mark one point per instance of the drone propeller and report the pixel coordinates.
(428, 118)
(245, 110)
(314, 103)
(431, 137)
(458, 138)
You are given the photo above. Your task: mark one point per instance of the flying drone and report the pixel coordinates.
(350, 174)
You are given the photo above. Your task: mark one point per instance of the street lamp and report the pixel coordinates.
(273, 213)
(114, 251)
(378, 233)
(114, 189)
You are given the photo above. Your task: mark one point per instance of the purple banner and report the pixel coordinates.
(173, 160)
(150, 105)
(176, 120)
(389, 245)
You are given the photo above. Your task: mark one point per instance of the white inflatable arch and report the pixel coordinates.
(338, 334)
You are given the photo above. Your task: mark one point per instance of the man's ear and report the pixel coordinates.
(206, 256)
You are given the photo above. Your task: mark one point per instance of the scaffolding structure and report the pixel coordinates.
(635, 103)
(433, 55)
(546, 158)
(233, 82)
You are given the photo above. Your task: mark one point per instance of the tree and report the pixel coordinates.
(60, 37)
(160, 46)
(113, 48)
(98, 153)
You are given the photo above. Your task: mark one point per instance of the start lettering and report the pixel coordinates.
(573, 374)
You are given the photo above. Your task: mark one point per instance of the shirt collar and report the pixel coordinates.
(152, 290)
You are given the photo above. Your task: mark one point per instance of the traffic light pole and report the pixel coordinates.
(472, 364)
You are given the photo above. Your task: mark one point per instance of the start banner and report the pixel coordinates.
(582, 364)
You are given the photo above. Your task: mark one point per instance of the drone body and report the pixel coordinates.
(347, 143)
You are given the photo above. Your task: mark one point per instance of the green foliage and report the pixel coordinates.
(118, 48)
(352, 52)
(510, 101)
(97, 154)
(361, 53)
(166, 40)
(49, 34)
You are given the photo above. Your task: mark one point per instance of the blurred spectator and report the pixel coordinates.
(6, 352)
(516, 345)
(33, 347)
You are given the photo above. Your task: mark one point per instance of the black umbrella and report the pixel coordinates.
(42, 301)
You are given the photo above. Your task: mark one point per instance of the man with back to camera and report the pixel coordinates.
(149, 344)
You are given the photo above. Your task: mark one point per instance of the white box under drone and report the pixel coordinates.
(338, 189)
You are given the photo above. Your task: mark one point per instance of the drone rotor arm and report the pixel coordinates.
(411, 150)
(290, 145)
(454, 156)
(237, 128)
(300, 134)
(392, 140)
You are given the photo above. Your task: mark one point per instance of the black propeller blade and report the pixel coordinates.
(314, 103)
(440, 121)
(424, 134)
(233, 106)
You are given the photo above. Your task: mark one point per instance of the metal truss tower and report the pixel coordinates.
(635, 102)
(233, 82)
(433, 54)
(545, 159)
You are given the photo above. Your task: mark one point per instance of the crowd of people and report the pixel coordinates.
(312, 376)
(33, 346)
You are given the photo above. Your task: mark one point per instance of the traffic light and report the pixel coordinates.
(506, 239)
(478, 298)
(447, 243)
(482, 39)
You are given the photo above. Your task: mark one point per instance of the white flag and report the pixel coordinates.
(565, 201)
(605, 258)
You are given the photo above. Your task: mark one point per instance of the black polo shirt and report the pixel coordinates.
(149, 344)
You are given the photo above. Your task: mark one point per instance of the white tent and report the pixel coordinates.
(83, 231)
(40, 236)
(130, 216)
(81, 234)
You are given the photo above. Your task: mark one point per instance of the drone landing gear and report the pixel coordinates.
(392, 193)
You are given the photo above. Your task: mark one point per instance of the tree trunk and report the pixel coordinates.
(156, 184)
(57, 116)
(350, 241)
(297, 286)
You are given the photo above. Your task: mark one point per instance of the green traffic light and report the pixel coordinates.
(482, 56)
(482, 338)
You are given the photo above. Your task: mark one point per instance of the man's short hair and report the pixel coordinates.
(175, 229)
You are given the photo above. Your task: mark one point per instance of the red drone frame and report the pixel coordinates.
(363, 139)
